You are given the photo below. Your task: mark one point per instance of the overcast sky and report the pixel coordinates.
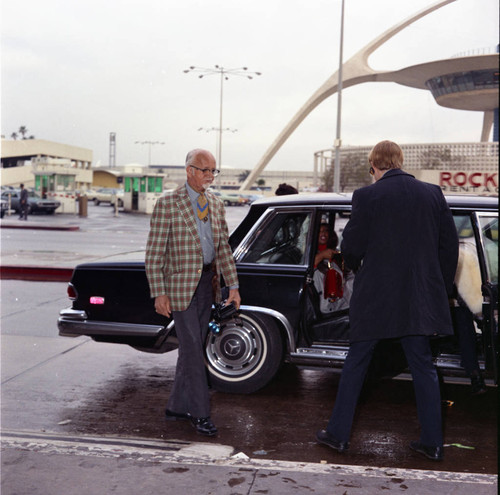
(74, 71)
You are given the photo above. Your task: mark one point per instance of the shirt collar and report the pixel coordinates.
(193, 195)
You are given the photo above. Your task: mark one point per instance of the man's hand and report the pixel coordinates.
(234, 297)
(162, 305)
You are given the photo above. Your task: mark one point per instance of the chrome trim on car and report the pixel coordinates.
(320, 353)
(448, 361)
(278, 316)
(74, 323)
(73, 314)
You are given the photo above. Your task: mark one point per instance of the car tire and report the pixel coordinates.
(96, 202)
(227, 203)
(245, 355)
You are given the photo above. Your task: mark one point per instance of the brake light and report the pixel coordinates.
(96, 300)
(72, 294)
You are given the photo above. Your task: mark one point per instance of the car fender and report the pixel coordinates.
(282, 320)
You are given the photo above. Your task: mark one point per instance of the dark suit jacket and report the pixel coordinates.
(402, 238)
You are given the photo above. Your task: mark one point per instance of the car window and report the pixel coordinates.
(12, 194)
(283, 240)
(464, 225)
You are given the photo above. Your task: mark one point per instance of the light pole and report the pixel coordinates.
(338, 142)
(224, 74)
(219, 132)
(150, 143)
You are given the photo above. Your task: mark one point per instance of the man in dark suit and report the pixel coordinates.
(186, 254)
(402, 241)
(23, 203)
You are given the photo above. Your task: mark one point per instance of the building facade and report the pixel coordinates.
(458, 168)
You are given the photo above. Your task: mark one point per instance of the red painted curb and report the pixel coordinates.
(36, 273)
(40, 227)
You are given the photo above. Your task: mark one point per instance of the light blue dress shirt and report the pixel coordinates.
(204, 228)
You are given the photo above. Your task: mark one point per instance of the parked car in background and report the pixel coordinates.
(36, 204)
(108, 195)
(4, 206)
(88, 193)
(280, 318)
(230, 199)
(251, 197)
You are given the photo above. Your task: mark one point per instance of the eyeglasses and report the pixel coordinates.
(206, 171)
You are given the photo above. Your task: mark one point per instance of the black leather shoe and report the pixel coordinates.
(204, 426)
(173, 416)
(322, 436)
(433, 453)
(477, 384)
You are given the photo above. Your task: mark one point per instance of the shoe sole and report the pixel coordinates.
(169, 417)
(340, 450)
(206, 434)
(419, 451)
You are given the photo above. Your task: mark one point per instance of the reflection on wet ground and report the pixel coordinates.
(280, 421)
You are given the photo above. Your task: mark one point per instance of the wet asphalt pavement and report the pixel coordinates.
(76, 387)
(280, 421)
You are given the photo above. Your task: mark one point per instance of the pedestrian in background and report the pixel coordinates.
(187, 252)
(402, 241)
(285, 189)
(23, 203)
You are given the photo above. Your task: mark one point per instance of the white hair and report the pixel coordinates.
(193, 155)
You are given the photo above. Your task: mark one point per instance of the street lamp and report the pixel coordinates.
(150, 143)
(224, 74)
(338, 142)
(219, 131)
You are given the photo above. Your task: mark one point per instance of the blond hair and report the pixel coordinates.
(386, 155)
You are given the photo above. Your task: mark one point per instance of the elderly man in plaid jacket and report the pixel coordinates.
(187, 249)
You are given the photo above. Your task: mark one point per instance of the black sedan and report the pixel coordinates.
(281, 319)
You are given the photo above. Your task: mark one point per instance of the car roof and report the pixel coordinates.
(336, 199)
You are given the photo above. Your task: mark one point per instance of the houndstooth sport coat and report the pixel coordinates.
(174, 258)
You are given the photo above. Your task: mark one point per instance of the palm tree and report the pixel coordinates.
(23, 131)
(242, 177)
(14, 135)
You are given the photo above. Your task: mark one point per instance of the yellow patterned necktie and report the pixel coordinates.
(202, 207)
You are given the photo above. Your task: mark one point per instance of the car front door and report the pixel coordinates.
(272, 262)
(485, 227)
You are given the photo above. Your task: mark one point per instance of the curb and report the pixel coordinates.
(36, 273)
(40, 227)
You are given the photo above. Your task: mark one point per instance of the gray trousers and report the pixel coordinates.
(190, 390)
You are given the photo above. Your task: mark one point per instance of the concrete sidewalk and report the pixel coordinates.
(41, 222)
(57, 464)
